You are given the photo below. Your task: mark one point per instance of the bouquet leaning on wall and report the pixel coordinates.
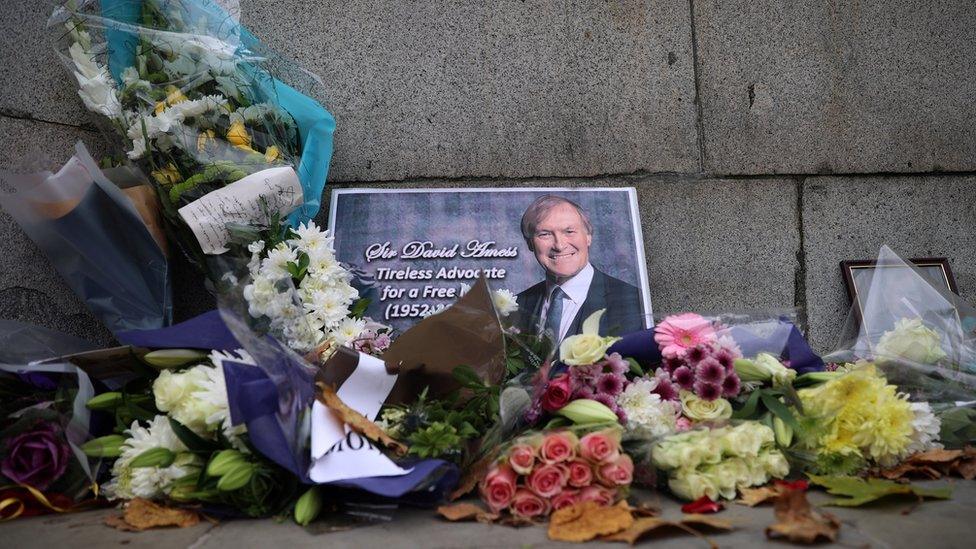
(225, 129)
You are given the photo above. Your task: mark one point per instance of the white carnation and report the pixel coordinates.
(646, 413)
(925, 429)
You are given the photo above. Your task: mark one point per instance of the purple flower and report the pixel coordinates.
(726, 359)
(37, 457)
(605, 400)
(665, 389)
(671, 364)
(698, 354)
(731, 385)
(708, 391)
(583, 375)
(583, 392)
(684, 377)
(617, 364)
(611, 384)
(710, 371)
(621, 415)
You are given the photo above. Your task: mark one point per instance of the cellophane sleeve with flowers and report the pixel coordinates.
(921, 337)
(227, 130)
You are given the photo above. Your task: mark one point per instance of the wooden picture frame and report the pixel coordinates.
(936, 269)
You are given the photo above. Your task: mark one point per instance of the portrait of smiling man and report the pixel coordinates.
(559, 233)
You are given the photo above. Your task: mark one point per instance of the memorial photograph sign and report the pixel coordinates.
(561, 254)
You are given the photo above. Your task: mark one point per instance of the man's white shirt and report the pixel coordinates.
(574, 294)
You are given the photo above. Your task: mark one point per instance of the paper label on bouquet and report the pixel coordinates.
(248, 200)
(337, 452)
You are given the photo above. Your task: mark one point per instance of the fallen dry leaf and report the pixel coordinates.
(461, 511)
(648, 525)
(799, 523)
(645, 509)
(588, 520)
(934, 464)
(142, 514)
(356, 421)
(754, 496)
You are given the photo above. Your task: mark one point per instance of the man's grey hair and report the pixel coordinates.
(540, 208)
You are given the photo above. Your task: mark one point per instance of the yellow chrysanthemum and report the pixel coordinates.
(860, 413)
(173, 96)
(272, 153)
(205, 139)
(237, 135)
(167, 175)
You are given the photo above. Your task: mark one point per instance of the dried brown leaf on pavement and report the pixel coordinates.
(588, 520)
(356, 421)
(462, 511)
(689, 524)
(142, 514)
(798, 522)
(754, 496)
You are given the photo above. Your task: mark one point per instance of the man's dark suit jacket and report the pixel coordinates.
(621, 301)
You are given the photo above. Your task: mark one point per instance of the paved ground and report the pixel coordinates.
(894, 523)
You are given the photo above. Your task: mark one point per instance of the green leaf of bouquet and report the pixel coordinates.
(748, 410)
(635, 368)
(193, 442)
(858, 491)
(359, 307)
(779, 410)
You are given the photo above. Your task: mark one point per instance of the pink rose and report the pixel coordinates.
(557, 394)
(601, 447)
(565, 498)
(522, 458)
(558, 447)
(682, 424)
(617, 473)
(547, 480)
(580, 473)
(596, 493)
(498, 488)
(528, 505)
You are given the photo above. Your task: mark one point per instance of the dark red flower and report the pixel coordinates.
(558, 392)
(37, 457)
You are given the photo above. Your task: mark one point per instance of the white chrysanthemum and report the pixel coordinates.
(506, 302)
(348, 330)
(925, 429)
(148, 482)
(646, 413)
(96, 87)
(214, 391)
(310, 238)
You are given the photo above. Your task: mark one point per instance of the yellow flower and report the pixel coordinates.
(167, 175)
(204, 139)
(272, 153)
(861, 414)
(174, 96)
(237, 135)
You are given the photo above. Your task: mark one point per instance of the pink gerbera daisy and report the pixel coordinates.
(678, 333)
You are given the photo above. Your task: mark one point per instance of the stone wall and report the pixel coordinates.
(768, 140)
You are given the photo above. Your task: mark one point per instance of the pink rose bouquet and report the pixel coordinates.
(544, 472)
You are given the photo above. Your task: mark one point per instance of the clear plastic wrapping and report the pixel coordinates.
(97, 240)
(921, 337)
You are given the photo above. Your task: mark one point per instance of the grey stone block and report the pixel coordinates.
(711, 245)
(33, 80)
(835, 87)
(507, 88)
(852, 217)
